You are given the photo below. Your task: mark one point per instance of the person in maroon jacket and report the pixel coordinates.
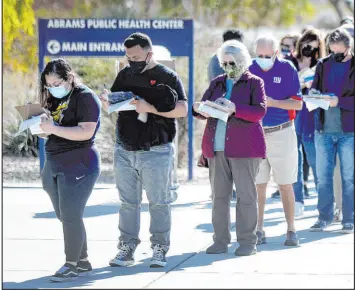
(235, 148)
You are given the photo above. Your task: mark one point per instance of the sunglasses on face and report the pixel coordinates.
(224, 64)
(308, 46)
(284, 46)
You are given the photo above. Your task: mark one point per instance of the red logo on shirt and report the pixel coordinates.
(153, 82)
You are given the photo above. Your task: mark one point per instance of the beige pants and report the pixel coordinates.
(337, 185)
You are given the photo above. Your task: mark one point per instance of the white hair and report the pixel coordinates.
(237, 50)
(340, 35)
(266, 40)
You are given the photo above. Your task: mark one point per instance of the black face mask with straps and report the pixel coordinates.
(137, 67)
(338, 57)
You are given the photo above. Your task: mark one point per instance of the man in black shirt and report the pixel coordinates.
(144, 151)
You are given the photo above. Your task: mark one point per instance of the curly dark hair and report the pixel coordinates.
(61, 68)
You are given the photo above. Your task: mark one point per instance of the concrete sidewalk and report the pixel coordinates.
(33, 247)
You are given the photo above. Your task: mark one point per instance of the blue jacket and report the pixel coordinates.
(304, 120)
(346, 100)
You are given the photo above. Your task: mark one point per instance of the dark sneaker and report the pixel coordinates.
(292, 239)
(348, 228)
(66, 273)
(124, 258)
(276, 195)
(84, 268)
(217, 248)
(159, 257)
(245, 250)
(261, 238)
(320, 225)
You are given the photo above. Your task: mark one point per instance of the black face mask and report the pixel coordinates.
(309, 52)
(339, 57)
(137, 67)
(285, 52)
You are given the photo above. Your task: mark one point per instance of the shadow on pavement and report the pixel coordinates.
(276, 243)
(112, 208)
(110, 272)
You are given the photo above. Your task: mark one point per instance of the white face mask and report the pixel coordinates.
(265, 64)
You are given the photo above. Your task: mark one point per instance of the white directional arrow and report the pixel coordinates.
(53, 47)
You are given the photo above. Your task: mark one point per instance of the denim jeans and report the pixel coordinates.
(150, 170)
(69, 178)
(307, 144)
(328, 145)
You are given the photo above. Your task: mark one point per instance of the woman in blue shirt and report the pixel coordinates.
(310, 48)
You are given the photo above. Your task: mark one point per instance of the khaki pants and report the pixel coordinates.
(242, 172)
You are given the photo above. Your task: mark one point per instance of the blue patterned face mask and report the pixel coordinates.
(58, 92)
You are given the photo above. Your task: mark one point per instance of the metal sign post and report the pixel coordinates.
(105, 37)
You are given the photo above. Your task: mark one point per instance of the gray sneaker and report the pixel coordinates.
(261, 238)
(159, 257)
(320, 225)
(292, 239)
(124, 258)
(245, 250)
(217, 248)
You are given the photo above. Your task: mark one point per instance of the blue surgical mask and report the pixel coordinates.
(265, 64)
(59, 92)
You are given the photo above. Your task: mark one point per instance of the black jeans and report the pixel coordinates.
(69, 178)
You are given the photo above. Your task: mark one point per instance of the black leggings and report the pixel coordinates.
(69, 178)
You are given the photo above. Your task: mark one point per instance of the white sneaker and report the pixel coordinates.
(299, 209)
(338, 215)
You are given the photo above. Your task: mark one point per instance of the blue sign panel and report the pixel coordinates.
(105, 37)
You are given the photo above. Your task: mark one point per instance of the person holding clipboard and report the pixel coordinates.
(72, 163)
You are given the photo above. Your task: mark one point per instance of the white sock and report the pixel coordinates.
(84, 260)
(71, 263)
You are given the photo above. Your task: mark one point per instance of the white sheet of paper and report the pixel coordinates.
(35, 129)
(213, 112)
(313, 103)
(33, 122)
(121, 106)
